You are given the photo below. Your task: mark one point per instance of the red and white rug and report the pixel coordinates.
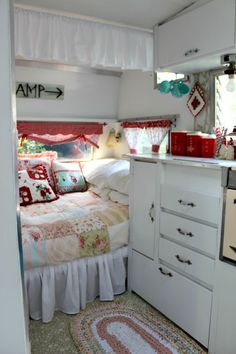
(124, 329)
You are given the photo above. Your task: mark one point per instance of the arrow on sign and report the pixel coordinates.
(58, 92)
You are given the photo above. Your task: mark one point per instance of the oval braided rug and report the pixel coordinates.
(124, 329)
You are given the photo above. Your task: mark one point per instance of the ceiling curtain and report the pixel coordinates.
(54, 133)
(47, 37)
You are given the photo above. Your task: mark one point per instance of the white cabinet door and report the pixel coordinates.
(143, 207)
(180, 299)
(206, 30)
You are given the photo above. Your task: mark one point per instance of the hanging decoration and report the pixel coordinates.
(196, 101)
(176, 87)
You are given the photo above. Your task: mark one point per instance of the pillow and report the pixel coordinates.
(99, 172)
(119, 181)
(38, 172)
(68, 177)
(27, 162)
(102, 193)
(51, 154)
(34, 190)
(119, 197)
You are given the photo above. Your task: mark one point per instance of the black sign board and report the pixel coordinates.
(39, 91)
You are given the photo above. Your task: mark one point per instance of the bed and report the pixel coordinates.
(75, 247)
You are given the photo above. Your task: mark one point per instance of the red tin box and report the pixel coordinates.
(194, 145)
(178, 143)
(208, 147)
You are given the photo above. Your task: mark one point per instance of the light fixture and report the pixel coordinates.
(113, 138)
(230, 61)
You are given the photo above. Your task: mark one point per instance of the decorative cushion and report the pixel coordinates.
(35, 189)
(68, 177)
(25, 163)
(51, 154)
(108, 173)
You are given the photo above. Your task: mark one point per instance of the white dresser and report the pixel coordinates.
(175, 213)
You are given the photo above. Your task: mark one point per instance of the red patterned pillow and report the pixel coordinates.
(35, 189)
(27, 163)
(38, 172)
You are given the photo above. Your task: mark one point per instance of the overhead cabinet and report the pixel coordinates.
(195, 40)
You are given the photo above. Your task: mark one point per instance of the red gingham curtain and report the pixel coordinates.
(54, 133)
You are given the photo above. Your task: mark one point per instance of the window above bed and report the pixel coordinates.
(73, 150)
(69, 139)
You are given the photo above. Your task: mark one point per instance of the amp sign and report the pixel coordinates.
(39, 91)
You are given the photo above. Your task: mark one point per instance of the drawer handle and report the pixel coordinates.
(168, 274)
(184, 202)
(181, 232)
(187, 261)
(151, 212)
(191, 52)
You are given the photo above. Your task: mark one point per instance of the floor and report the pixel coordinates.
(55, 338)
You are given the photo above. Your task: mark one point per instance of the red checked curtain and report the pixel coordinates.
(156, 132)
(54, 133)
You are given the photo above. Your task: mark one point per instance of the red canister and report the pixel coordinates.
(208, 146)
(194, 144)
(178, 143)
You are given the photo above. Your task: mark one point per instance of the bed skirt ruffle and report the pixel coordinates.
(67, 287)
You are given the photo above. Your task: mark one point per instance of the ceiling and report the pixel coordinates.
(139, 13)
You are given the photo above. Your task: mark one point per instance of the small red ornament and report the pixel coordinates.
(196, 101)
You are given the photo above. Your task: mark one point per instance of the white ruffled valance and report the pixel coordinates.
(53, 38)
(69, 286)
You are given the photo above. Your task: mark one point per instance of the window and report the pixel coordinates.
(225, 103)
(73, 150)
(161, 76)
(145, 146)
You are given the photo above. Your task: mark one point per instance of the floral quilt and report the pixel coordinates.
(76, 225)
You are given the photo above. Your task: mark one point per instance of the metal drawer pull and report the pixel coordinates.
(181, 232)
(151, 212)
(168, 274)
(187, 261)
(191, 52)
(233, 248)
(184, 202)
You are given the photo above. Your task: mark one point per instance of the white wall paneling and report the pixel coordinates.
(86, 95)
(138, 98)
(13, 334)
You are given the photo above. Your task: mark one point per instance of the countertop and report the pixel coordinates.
(185, 160)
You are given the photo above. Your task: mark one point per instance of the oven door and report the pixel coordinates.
(229, 236)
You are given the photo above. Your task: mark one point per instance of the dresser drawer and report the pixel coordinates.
(185, 303)
(191, 204)
(180, 299)
(190, 262)
(189, 233)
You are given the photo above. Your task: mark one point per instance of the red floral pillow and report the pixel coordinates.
(28, 163)
(38, 172)
(34, 187)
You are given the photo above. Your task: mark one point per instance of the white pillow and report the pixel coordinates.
(119, 181)
(119, 197)
(101, 192)
(101, 173)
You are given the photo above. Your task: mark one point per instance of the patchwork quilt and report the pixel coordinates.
(76, 225)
